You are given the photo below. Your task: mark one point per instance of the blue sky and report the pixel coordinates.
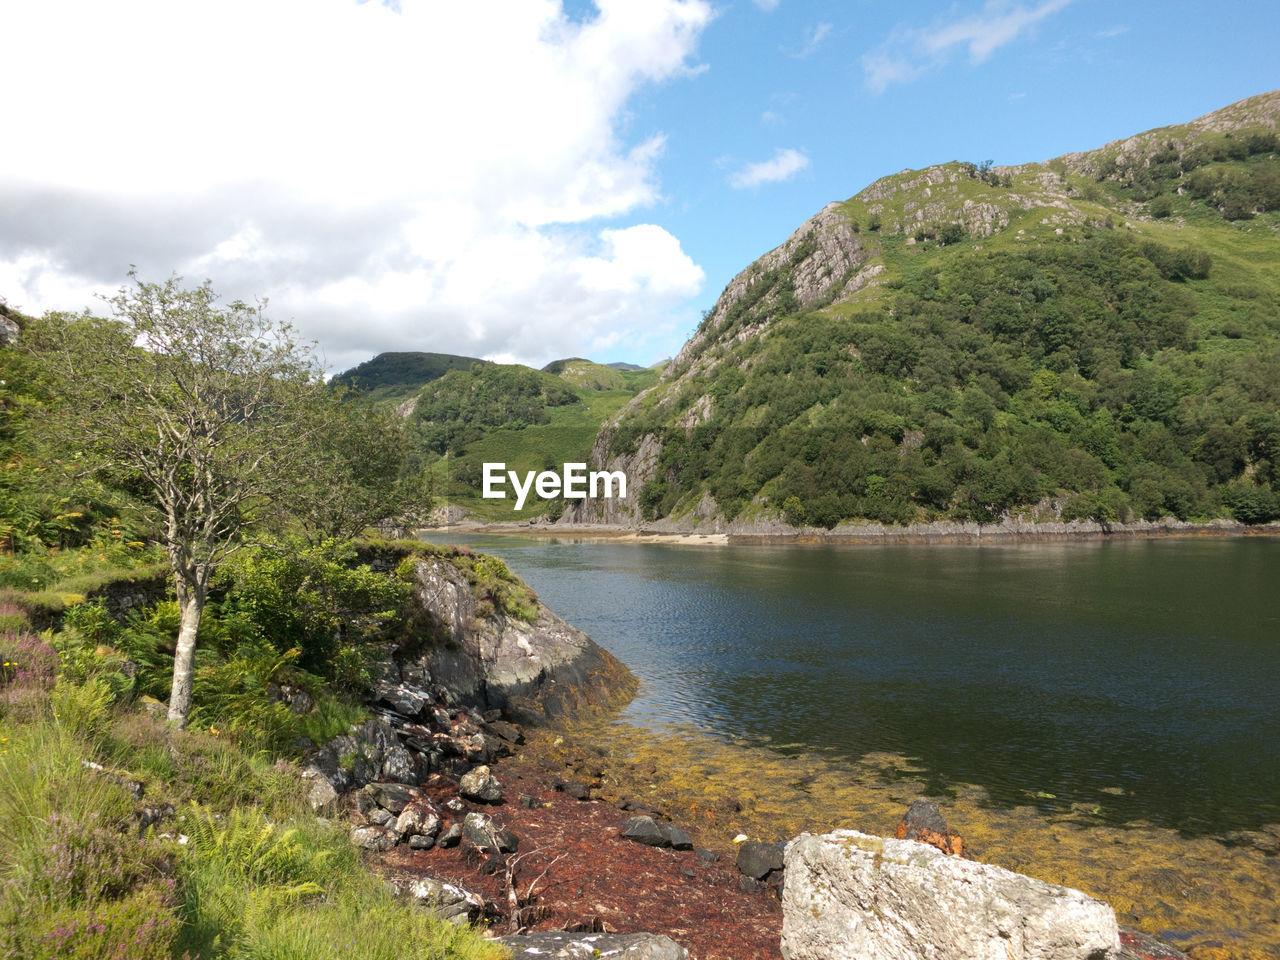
(526, 179)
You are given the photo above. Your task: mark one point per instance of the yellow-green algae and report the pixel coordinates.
(1220, 902)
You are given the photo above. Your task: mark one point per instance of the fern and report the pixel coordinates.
(258, 851)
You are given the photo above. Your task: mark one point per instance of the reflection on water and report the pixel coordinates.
(1140, 673)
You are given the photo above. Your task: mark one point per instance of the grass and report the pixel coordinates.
(259, 878)
(45, 582)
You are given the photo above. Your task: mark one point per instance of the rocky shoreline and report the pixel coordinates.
(717, 533)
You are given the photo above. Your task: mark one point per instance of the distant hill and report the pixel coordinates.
(1094, 336)
(394, 376)
(626, 367)
(584, 373)
(528, 419)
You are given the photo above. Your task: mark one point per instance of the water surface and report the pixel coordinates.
(1138, 675)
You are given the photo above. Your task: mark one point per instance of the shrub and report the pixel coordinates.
(140, 926)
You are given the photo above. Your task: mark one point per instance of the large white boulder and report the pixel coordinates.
(851, 896)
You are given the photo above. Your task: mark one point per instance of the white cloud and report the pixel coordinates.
(410, 176)
(783, 165)
(911, 52)
(813, 38)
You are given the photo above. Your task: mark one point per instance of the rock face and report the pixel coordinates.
(850, 896)
(579, 946)
(531, 671)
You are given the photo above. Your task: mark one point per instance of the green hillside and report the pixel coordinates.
(1095, 336)
(396, 376)
(528, 419)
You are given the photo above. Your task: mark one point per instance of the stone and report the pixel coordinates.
(677, 838)
(321, 795)
(507, 731)
(644, 830)
(450, 837)
(851, 896)
(377, 839)
(922, 814)
(576, 946)
(706, 856)
(486, 835)
(392, 797)
(403, 698)
(480, 785)
(450, 901)
(577, 790)
(418, 817)
(399, 765)
(923, 823)
(757, 860)
(420, 842)
(380, 817)
(531, 671)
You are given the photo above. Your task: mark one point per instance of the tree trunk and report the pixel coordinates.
(191, 603)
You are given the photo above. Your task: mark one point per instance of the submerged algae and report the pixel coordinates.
(1216, 900)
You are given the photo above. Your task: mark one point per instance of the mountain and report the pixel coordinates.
(509, 413)
(1093, 336)
(394, 376)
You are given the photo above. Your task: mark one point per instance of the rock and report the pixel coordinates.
(576, 946)
(850, 896)
(528, 802)
(486, 835)
(750, 885)
(378, 839)
(921, 815)
(405, 699)
(399, 765)
(577, 790)
(9, 329)
(507, 731)
(644, 830)
(677, 838)
(757, 860)
(450, 901)
(380, 817)
(480, 785)
(321, 795)
(924, 824)
(451, 837)
(706, 856)
(1135, 945)
(420, 842)
(393, 797)
(418, 817)
(533, 671)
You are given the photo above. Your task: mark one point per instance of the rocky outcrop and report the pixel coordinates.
(851, 896)
(532, 670)
(580, 946)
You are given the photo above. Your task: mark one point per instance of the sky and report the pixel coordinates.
(528, 180)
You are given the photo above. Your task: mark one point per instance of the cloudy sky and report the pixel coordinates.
(534, 179)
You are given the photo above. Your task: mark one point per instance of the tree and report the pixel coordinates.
(208, 410)
(360, 471)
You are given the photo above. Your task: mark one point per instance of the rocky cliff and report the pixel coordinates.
(856, 270)
(532, 669)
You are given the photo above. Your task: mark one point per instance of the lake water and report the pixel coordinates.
(1143, 671)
